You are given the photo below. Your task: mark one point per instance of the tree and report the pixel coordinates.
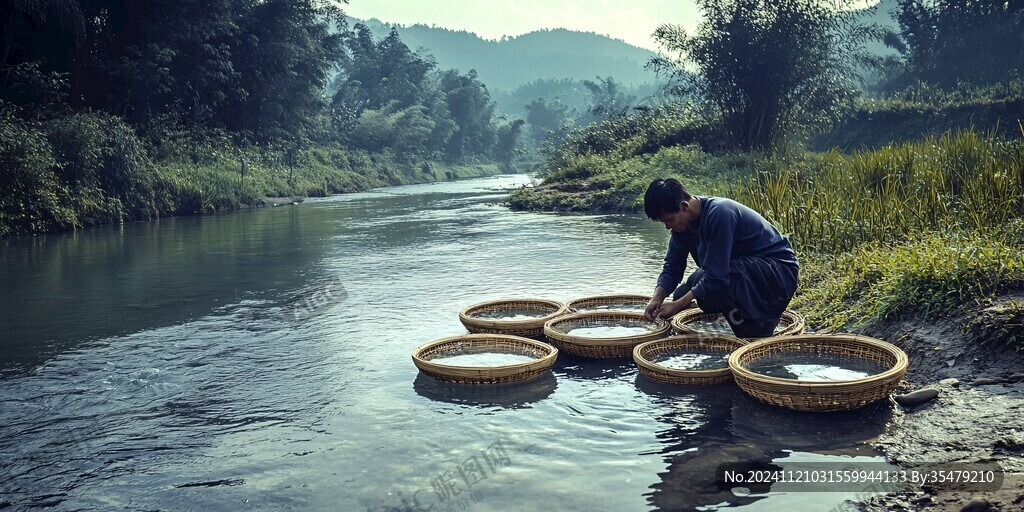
(764, 69)
(147, 60)
(21, 18)
(382, 73)
(954, 41)
(545, 117)
(285, 60)
(38, 39)
(254, 68)
(608, 100)
(406, 131)
(470, 106)
(508, 142)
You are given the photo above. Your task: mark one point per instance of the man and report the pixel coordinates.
(747, 270)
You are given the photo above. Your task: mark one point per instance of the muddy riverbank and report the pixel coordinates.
(978, 416)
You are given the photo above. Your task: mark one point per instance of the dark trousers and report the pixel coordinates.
(759, 293)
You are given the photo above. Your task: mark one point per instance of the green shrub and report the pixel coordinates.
(86, 168)
(641, 132)
(924, 111)
(33, 198)
(103, 163)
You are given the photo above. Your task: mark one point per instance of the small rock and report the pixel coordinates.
(917, 398)
(977, 505)
(951, 362)
(953, 383)
(987, 381)
(1011, 442)
(1017, 377)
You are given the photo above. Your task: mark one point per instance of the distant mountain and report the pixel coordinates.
(514, 61)
(519, 69)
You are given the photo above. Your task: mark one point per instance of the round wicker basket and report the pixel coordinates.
(791, 323)
(646, 353)
(544, 356)
(820, 396)
(623, 302)
(532, 328)
(601, 347)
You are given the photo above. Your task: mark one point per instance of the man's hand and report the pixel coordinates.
(652, 309)
(672, 307)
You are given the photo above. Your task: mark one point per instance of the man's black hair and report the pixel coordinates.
(663, 196)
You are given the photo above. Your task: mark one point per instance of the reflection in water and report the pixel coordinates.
(63, 289)
(508, 396)
(783, 429)
(260, 360)
(591, 369)
(708, 426)
(695, 441)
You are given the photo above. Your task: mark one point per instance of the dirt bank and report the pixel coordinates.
(977, 418)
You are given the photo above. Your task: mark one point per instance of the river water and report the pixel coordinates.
(260, 360)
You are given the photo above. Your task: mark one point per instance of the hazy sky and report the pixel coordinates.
(632, 21)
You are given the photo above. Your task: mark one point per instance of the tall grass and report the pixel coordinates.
(833, 203)
(933, 274)
(933, 227)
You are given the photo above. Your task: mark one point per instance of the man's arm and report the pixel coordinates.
(673, 269)
(671, 273)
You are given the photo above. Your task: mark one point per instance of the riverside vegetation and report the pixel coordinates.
(112, 111)
(927, 224)
(92, 169)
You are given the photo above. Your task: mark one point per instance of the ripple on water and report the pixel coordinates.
(211, 392)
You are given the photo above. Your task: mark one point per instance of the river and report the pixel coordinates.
(260, 360)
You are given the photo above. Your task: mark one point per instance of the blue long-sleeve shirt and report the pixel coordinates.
(726, 230)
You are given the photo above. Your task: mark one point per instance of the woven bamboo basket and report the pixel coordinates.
(544, 356)
(532, 328)
(646, 353)
(820, 396)
(791, 323)
(608, 303)
(601, 347)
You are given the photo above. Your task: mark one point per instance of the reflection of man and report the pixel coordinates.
(696, 449)
(747, 270)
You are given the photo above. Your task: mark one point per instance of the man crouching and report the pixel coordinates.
(746, 268)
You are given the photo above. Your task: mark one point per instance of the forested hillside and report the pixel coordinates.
(515, 61)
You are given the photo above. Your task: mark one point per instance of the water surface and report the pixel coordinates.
(683, 359)
(260, 360)
(815, 367)
(482, 359)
